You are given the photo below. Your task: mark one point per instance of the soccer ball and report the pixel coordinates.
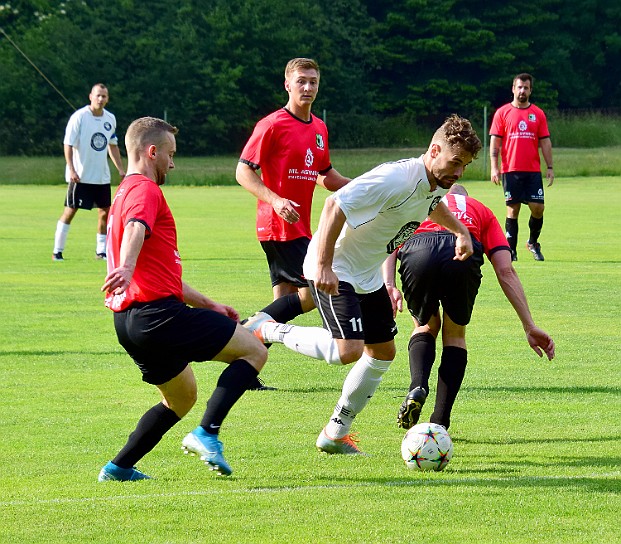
(427, 446)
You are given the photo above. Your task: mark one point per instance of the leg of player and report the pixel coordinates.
(535, 224)
(246, 357)
(359, 387)
(62, 231)
(422, 354)
(451, 370)
(178, 397)
(512, 228)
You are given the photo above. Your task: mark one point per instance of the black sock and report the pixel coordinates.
(511, 227)
(154, 424)
(422, 353)
(232, 384)
(285, 308)
(535, 225)
(450, 375)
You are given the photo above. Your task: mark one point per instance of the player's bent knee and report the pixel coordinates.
(181, 404)
(257, 357)
(350, 353)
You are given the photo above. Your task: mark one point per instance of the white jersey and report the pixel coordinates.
(90, 136)
(383, 208)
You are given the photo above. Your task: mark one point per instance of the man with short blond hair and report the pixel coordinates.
(290, 148)
(162, 322)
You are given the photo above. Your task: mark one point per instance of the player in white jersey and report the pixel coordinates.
(360, 226)
(89, 137)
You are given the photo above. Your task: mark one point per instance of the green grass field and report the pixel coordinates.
(537, 444)
(220, 170)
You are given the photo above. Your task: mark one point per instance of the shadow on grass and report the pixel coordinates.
(54, 353)
(527, 390)
(597, 484)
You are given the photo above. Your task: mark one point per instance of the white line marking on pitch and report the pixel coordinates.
(289, 489)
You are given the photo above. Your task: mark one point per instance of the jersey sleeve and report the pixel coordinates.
(543, 130)
(492, 235)
(258, 145)
(114, 139)
(142, 204)
(498, 125)
(72, 132)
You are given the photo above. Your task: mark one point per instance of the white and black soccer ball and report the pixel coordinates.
(427, 446)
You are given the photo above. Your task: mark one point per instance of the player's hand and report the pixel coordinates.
(550, 176)
(117, 281)
(541, 343)
(228, 311)
(327, 281)
(73, 176)
(396, 299)
(463, 247)
(285, 208)
(495, 178)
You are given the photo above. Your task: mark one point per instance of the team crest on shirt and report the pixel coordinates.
(404, 234)
(532, 117)
(522, 125)
(309, 159)
(319, 141)
(107, 126)
(99, 142)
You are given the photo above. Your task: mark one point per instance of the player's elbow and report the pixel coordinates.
(506, 274)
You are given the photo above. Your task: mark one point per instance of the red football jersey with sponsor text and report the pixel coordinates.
(520, 130)
(291, 153)
(478, 219)
(158, 269)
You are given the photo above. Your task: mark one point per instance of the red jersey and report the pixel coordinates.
(291, 153)
(520, 130)
(158, 269)
(478, 219)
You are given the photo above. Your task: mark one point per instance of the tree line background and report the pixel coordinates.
(390, 69)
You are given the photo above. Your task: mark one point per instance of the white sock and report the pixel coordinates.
(315, 342)
(359, 386)
(101, 243)
(60, 238)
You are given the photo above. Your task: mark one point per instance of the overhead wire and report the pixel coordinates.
(36, 68)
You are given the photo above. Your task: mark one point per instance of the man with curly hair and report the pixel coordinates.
(360, 226)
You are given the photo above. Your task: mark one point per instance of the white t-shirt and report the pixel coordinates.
(90, 136)
(383, 208)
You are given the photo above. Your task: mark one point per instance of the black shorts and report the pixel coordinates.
(286, 260)
(87, 196)
(163, 336)
(430, 277)
(353, 316)
(522, 187)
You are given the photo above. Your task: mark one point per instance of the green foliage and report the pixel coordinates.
(536, 443)
(214, 68)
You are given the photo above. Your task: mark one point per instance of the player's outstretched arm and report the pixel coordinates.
(195, 298)
(541, 342)
(512, 287)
